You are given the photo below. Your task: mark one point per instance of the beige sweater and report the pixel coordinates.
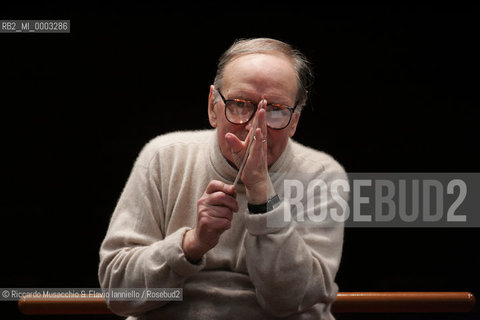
(257, 271)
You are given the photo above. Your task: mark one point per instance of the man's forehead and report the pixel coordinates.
(260, 61)
(261, 71)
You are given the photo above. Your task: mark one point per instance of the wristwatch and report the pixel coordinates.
(271, 204)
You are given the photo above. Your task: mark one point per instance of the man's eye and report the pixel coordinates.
(239, 104)
(276, 107)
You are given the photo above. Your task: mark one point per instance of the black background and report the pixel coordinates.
(395, 91)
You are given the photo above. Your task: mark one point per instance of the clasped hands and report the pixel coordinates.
(218, 203)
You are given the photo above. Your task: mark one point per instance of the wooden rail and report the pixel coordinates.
(404, 302)
(345, 302)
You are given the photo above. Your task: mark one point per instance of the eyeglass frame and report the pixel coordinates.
(292, 110)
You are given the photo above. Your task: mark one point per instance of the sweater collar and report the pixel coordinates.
(228, 173)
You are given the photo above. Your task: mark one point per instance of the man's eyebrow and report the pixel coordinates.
(246, 96)
(241, 95)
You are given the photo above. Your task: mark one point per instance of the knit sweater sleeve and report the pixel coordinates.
(293, 263)
(136, 253)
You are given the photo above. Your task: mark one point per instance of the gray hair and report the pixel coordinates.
(243, 47)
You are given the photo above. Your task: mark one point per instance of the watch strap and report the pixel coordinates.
(264, 207)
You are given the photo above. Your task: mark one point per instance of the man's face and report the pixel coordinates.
(255, 77)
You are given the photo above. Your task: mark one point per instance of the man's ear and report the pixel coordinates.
(293, 124)
(212, 115)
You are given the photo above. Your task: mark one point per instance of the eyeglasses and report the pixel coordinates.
(239, 111)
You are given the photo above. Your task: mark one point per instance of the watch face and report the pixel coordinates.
(273, 202)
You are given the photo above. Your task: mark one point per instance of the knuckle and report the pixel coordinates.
(216, 184)
(222, 196)
(204, 218)
(202, 199)
(201, 208)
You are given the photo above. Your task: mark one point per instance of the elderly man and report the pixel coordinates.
(181, 222)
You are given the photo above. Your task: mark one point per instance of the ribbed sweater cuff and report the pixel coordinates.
(176, 257)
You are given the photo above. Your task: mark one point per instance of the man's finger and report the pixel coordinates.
(260, 143)
(216, 185)
(235, 144)
(251, 133)
(223, 199)
(221, 213)
(262, 120)
(216, 225)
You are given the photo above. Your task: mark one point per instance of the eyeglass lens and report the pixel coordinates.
(240, 112)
